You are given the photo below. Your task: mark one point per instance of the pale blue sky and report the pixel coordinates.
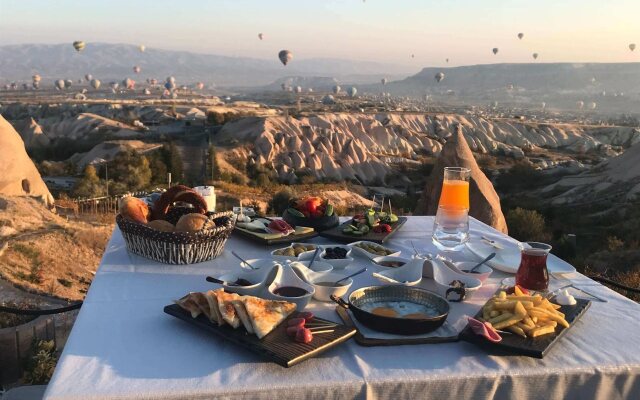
(377, 30)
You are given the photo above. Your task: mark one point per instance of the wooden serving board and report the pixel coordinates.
(302, 234)
(339, 236)
(370, 342)
(513, 344)
(276, 346)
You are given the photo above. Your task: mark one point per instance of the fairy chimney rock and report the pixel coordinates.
(19, 175)
(484, 201)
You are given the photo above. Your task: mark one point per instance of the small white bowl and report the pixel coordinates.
(381, 259)
(258, 264)
(323, 293)
(318, 266)
(483, 271)
(305, 255)
(371, 256)
(260, 278)
(287, 277)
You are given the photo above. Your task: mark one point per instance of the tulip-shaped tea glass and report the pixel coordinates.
(532, 273)
(451, 226)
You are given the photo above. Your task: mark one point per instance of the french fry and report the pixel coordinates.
(528, 322)
(523, 315)
(519, 310)
(511, 321)
(524, 327)
(517, 330)
(502, 317)
(517, 291)
(543, 330)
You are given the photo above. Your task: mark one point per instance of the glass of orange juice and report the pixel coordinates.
(455, 187)
(451, 225)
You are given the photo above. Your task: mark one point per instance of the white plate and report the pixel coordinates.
(365, 253)
(508, 259)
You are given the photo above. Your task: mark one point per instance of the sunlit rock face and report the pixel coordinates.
(361, 146)
(485, 203)
(19, 175)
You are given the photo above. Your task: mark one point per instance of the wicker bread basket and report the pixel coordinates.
(177, 247)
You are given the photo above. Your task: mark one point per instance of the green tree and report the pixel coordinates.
(89, 185)
(131, 169)
(158, 167)
(281, 200)
(212, 163)
(175, 163)
(527, 225)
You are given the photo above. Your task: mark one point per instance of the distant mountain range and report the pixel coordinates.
(115, 62)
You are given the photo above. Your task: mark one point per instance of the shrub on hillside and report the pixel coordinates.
(280, 201)
(527, 225)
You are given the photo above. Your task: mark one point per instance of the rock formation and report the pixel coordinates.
(485, 203)
(361, 146)
(18, 174)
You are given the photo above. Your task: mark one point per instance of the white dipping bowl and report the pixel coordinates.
(323, 293)
(380, 259)
(338, 263)
(483, 271)
(318, 266)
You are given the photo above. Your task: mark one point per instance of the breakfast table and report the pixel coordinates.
(123, 346)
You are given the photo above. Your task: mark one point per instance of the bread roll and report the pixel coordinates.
(134, 209)
(193, 223)
(161, 225)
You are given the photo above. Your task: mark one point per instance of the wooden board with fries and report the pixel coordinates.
(529, 324)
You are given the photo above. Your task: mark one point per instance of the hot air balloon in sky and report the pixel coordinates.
(142, 48)
(580, 104)
(632, 46)
(136, 69)
(128, 83)
(88, 77)
(593, 105)
(199, 85)
(285, 56)
(495, 50)
(59, 84)
(439, 77)
(447, 60)
(337, 89)
(298, 89)
(384, 81)
(520, 35)
(79, 45)
(535, 56)
(352, 91)
(36, 78)
(95, 83)
(68, 83)
(260, 36)
(543, 105)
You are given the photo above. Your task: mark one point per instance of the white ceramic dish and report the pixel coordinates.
(508, 259)
(483, 271)
(443, 276)
(287, 277)
(336, 263)
(409, 274)
(318, 266)
(371, 256)
(380, 259)
(260, 278)
(306, 255)
(323, 293)
(258, 264)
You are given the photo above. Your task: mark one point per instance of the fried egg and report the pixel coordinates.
(400, 309)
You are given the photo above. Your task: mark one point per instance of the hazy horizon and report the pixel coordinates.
(375, 30)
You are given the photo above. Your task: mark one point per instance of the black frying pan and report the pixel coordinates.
(401, 326)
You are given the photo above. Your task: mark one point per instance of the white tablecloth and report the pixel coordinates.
(123, 346)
